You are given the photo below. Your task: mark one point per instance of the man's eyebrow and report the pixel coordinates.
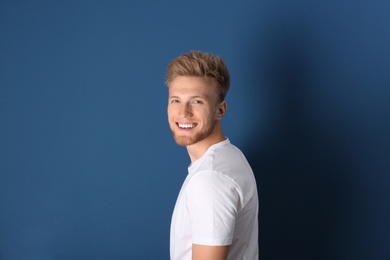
(191, 97)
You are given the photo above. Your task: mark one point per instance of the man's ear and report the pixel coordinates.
(221, 110)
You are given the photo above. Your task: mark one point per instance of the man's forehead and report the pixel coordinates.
(196, 85)
(191, 93)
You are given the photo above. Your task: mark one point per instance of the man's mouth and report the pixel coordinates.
(186, 126)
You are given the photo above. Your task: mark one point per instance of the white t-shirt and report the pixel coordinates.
(217, 205)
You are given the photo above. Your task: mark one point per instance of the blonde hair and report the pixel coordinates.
(200, 64)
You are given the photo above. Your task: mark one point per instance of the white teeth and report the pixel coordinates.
(186, 126)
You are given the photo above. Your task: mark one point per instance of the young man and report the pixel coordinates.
(215, 215)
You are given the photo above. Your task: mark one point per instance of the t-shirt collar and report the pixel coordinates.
(208, 151)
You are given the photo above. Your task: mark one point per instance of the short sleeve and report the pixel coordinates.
(212, 201)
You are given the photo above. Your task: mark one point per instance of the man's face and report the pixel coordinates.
(192, 109)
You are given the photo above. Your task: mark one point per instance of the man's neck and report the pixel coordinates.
(195, 151)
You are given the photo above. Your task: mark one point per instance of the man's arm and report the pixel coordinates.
(200, 252)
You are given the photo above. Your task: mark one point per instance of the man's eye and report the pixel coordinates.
(198, 102)
(174, 101)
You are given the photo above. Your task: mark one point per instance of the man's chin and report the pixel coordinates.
(184, 140)
(190, 140)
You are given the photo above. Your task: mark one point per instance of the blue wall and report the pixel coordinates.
(88, 167)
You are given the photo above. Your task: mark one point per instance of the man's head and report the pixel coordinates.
(197, 84)
(201, 64)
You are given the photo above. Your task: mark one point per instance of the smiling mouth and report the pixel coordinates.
(186, 126)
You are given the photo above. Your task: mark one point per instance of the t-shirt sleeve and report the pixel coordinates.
(212, 202)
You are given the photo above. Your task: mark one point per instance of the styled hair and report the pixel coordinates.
(200, 64)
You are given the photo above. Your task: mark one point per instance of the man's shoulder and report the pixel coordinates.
(229, 154)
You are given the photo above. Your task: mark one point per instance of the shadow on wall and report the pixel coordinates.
(300, 164)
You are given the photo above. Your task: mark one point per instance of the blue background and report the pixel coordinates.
(88, 167)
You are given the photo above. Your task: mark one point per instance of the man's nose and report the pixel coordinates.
(185, 110)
